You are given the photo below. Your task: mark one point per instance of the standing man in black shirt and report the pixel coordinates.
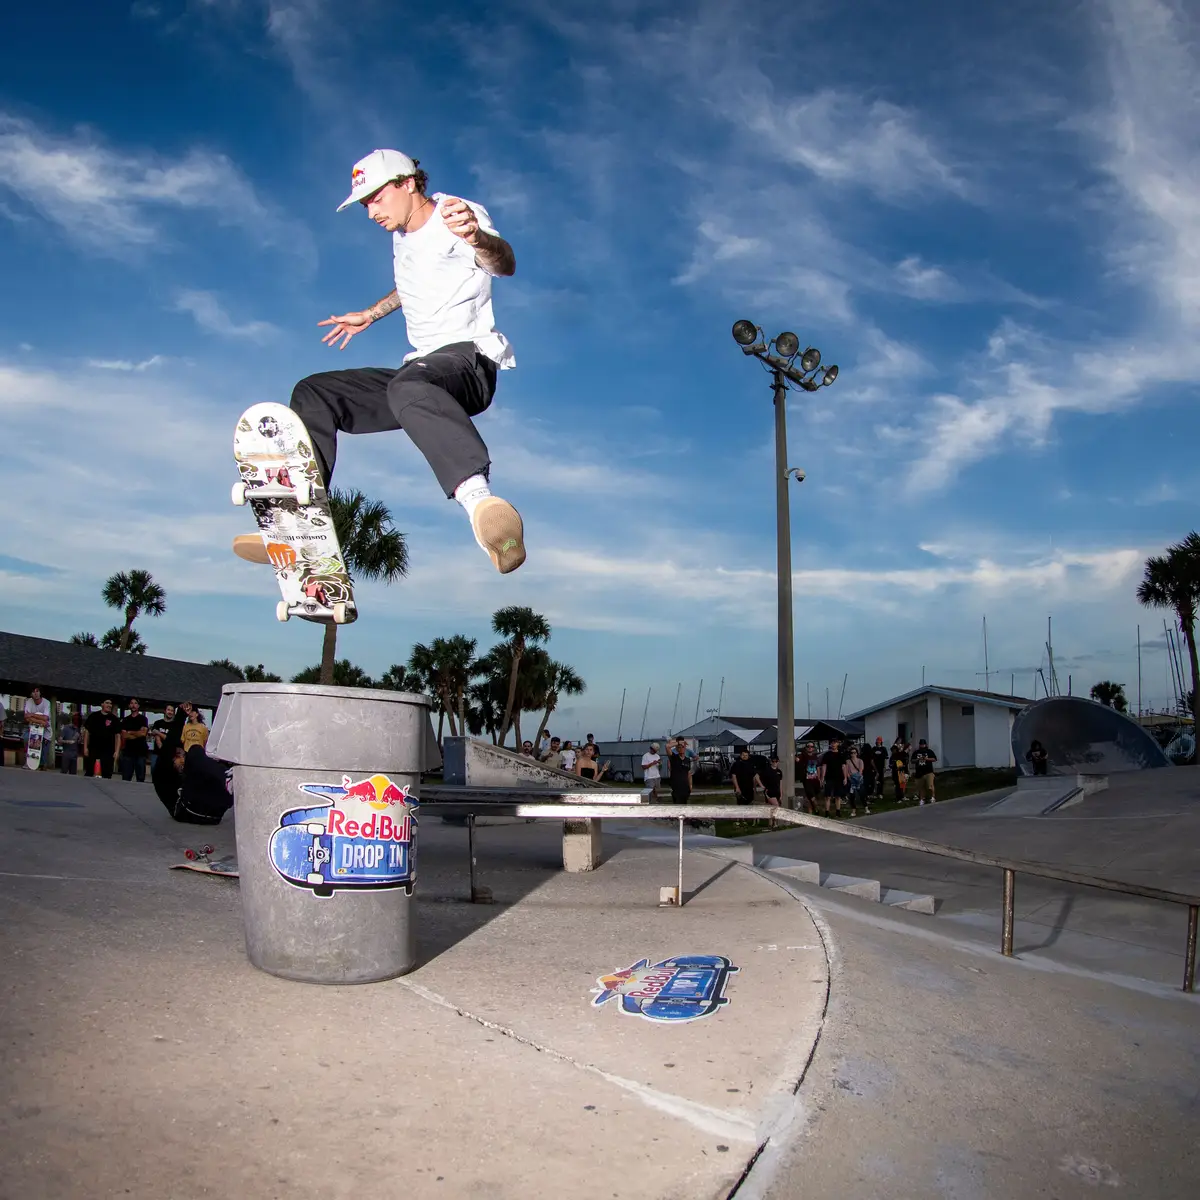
(899, 764)
(135, 748)
(100, 732)
(158, 733)
(833, 776)
(879, 756)
(770, 779)
(923, 761)
(743, 774)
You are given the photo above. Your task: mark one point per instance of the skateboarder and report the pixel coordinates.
(445, 253)
(193, 786)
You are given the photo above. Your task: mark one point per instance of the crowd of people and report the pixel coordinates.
(194, 787)
(835, 782)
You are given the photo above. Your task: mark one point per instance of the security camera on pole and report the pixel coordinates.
(778, 357)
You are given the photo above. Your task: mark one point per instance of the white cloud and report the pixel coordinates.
(209, 314)
(846, 138)
(124, 364)
(111, 201)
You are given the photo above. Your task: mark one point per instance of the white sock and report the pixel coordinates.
(471, 491)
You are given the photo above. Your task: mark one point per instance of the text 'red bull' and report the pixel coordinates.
(380, 826)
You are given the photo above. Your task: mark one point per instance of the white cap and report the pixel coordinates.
(372, 172)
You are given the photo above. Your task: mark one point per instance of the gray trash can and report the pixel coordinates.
(325, 788)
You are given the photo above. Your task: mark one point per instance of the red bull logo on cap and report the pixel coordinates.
(363, 836)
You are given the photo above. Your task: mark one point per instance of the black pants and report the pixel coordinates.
(68, 763)
(198, 796)
(131, 763)
(432, 398)
(105, 761)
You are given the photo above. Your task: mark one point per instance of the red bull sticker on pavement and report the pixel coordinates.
(362, 837)
(684, 988)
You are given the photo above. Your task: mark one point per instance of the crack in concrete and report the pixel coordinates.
(715, 1121)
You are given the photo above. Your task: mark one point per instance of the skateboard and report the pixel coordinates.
(226, 866)
(281, 481)
(33, 748)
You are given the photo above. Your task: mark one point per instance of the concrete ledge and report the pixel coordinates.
(912, 901)
(865, 889)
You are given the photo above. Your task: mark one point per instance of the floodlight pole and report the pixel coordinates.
(785, 730)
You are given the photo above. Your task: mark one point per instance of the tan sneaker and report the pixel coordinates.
(498, 529)
(251, 547)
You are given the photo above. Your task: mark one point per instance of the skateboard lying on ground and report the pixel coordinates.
(33, 748)
(281, 481)
(198, 860)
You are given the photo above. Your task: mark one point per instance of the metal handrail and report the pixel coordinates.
(595, 807)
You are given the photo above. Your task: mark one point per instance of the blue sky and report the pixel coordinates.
(990, 220)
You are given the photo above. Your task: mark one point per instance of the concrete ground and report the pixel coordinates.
(864, 1052)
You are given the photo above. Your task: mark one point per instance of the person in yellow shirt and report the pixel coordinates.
(195, 732)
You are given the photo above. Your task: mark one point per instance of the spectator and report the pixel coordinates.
(100, 740)
(868, 774)
(923, 761)
(569, 756)
(37, 716)
(193, 787)
(591, 741)
(553, 755)
(70, 737)
(1038, 756)
(743, 774)
(808, 772)
(856, 780)
(195, 732)
(527, 749)
(899, 766)
(879, 759)
(833, 776)
(134, 745)
(770, 779)
(158, 732)
(544, 744)
(679, 771)
(585, 766)
(652, 770)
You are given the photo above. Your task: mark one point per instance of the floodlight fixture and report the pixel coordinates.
(787, 345)
(810, 360)
(745, 332)
(829, 376)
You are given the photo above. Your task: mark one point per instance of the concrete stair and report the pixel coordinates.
(796, 869)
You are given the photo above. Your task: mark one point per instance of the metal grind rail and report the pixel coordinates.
(632, 806)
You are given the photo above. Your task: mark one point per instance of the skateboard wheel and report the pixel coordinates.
(189, 855)
(281, 611)
(339, 613)
(304, 496)
(208, 849)
(239, 493)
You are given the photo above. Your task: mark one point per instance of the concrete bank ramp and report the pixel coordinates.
(1081, 736)
(1040, 795)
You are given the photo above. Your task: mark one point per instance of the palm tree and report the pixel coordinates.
(136, 593)
(398, 678)
(344, 674)
(259, 674)
(561, 680)
(113, 638)
(521, 626)
(423, 666)
(1172, 581)
(372, 547)
(229, 665)
(1111, 695)
(85, 639)
(485, 710)
(456, 656)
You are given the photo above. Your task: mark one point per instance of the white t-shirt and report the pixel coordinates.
(41, 708)
(446, 295)
(651, 768)
(568, 760)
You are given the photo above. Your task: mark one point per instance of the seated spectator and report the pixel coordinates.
(194, 788)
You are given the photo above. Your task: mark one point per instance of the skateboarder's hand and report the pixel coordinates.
(345, 327)
(461, 220)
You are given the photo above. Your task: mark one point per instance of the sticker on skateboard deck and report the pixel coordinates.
(226, 866)
(281, 481)
(33, 748)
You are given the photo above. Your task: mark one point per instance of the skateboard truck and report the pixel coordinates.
(201, 855)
